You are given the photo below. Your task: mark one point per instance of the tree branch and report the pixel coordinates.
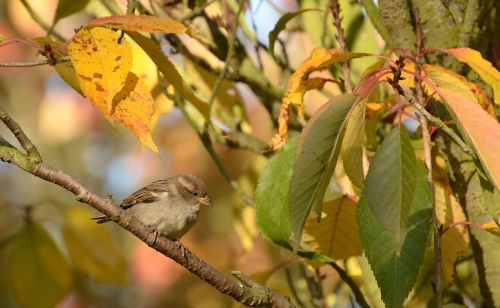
(250, 294)
(346, 71)
(34, 63)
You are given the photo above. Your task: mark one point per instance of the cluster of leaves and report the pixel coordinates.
(389, 214)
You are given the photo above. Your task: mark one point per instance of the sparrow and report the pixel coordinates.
(170, 206)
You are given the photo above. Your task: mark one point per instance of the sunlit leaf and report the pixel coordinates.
(352, 145)
(317, 152)
(320, 59)
(455, 241)
(141, 23)
(272, 196)
(68, 7)
(394, 216)
(39, 274)
(480, 130)
(91, 248)
(336, 235)
(281, 24)
(169, 71)
(483, 67)
(102, 66)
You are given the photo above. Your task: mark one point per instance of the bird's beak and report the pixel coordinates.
(204, 201)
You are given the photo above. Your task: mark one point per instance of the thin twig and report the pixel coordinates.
(254, 296)
(231, 42)
(360, 299)
(31, 151)
(426, 137)
(437, 121)
(34, 63)
(346, 71)
(460, 223)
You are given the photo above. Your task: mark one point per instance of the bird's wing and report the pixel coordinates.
(151, 193)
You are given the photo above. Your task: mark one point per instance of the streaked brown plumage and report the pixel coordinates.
(170, 205)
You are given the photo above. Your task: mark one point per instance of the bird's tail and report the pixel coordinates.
(101, 219)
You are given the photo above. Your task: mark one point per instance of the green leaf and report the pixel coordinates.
(272, 196)
(39, 274)
(68, 7)
(317, 152)
(281, 24)
(394, 217)
(352, 146)
(169, 71)
(91, 248)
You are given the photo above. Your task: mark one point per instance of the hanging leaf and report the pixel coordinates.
(317, 152)
(102, 66)
(394, 216)
(481, 66)
(141, 23)
(336, 236)
(281, 24)
(455, 241)
(39, 274)
(68, 7)
(352, 145)
(91, 248)
(320, 59)
(169, 71)
(272, 196)
(480, 130)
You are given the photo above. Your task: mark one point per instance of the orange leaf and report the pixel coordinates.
(320, 59)
(455, 241)
(102, 67)
(483, 67)
(481, 130)
(141, 23)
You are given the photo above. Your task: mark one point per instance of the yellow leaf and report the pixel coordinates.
(91, 248)
(455, 241)
(336, 235)
(483, 67)
(320, 59)
(141, 23)
(102, 66)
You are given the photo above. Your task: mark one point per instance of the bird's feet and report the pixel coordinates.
(182, 249)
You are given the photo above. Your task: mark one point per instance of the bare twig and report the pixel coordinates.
(360, 299)
(426, 137)
(253, 296)
(230, 52)
(34, 63)
(460, 223)
(346, 71)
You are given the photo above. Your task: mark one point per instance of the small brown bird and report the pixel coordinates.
(170, 205)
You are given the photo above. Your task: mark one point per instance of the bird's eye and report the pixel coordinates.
(195, 193)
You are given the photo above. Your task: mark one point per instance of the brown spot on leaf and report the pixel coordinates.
(118, 58)
(85, 77)
(98, 87)
(97, 75)
(116, 68)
